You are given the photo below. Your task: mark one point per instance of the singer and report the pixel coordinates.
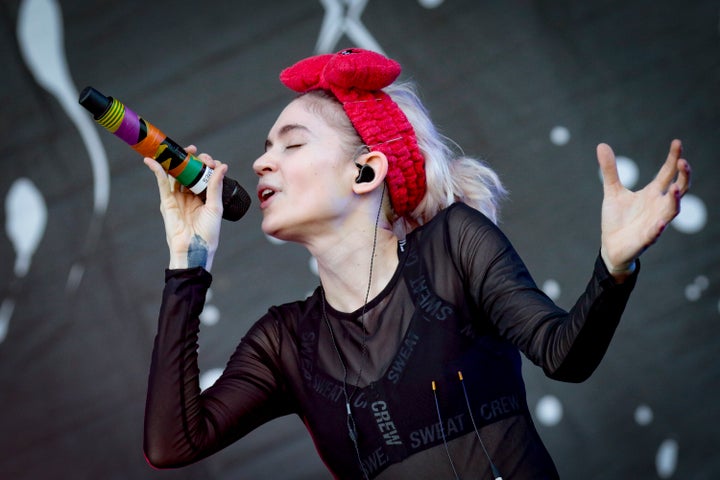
(405, 361)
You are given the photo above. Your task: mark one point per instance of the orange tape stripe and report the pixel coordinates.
(150, 145)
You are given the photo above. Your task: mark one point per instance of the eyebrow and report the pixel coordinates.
(286, 129)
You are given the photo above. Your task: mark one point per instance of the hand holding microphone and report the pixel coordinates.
(149, 141)
(192, 224)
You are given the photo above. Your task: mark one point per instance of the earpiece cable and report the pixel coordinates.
(442, 431)
(350, 420)
(493, 468)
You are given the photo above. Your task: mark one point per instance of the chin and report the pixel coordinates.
(274, 231)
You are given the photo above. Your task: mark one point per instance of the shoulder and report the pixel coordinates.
(460, 212)
(290, 316)
(457, 221)
(463, 234)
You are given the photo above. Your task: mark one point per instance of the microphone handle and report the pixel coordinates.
(149, 141)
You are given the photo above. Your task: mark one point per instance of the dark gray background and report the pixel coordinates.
(497, 77)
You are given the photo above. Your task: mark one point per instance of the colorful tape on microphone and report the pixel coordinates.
(150, 141)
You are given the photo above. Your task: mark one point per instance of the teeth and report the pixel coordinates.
(267, 193)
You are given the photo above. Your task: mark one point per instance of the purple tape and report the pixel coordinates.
(129, 129)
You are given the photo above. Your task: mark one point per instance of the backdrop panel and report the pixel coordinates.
(532, 87)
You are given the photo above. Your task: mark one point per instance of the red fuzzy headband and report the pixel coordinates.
(355, 77)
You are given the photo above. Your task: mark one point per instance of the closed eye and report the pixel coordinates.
(298, 145)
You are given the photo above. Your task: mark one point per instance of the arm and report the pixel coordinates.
(568, 345)
(183, 424)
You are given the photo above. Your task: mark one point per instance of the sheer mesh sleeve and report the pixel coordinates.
(183, 425)
(567, 345)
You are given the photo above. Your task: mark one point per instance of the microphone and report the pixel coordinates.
(149, 141)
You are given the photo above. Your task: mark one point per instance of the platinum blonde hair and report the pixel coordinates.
(451, 177)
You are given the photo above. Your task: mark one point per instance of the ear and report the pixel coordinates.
(379, 164)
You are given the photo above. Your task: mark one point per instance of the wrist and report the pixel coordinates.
(619, 271)
(198, 254)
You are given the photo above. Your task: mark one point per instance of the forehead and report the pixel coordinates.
(298, 113)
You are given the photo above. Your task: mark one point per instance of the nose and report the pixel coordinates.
(264, 164)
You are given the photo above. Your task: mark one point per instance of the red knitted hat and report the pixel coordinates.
(355, 77)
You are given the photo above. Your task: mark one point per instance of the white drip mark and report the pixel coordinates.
(25, 221)
(40, 38)
(666, 458)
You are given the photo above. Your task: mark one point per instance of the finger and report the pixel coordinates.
(191, 149)
(160, 174)
(669, 209)
(206, 159)
(670, 168)
(684, 175)
(166, 184)
(608, 167)
(213, 198)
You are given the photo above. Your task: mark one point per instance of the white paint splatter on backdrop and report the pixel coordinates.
(552, 289)
(549, 410)
(559, 136)
(643, 415)
(693, 215)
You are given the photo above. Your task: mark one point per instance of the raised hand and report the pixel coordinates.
(632, 221)
(192, 227)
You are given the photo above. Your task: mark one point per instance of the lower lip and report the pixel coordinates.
(267, 201)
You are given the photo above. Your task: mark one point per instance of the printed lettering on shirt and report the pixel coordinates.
(326, 387)
(359, 401)
(307, 348)
(412, 258)
(468, 331)
(403, 356)
(498, 407)
(433, 433)
(376, 460)
(385, 424)
(429, 303)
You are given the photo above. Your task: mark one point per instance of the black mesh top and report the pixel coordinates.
(461, 300)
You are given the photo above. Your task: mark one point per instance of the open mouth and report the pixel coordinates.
(266, 193)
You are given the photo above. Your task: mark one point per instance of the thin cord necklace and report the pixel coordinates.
(350, 420)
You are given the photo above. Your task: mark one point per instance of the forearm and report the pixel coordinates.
(181, 424)
(579, 343)
(173, 426)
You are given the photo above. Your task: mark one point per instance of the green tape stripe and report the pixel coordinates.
(112, 119)
(190, 172)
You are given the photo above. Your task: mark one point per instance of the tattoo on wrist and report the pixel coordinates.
(197, 254)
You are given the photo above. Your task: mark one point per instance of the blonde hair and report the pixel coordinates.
(450, 177)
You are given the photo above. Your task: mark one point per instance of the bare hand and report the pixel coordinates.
(632, 221)
(192, 227)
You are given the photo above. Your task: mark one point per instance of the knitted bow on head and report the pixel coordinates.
(355, 77)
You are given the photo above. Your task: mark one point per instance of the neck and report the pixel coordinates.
(349, 273)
